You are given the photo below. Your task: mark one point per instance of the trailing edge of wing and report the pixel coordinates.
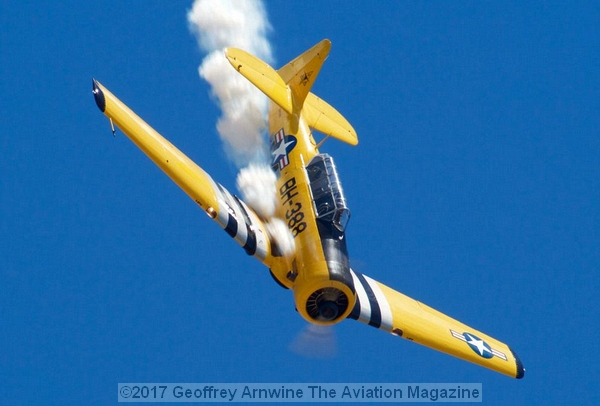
(380, 306)
(235, 217)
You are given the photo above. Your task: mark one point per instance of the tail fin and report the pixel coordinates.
(289, 87)
(301, 73)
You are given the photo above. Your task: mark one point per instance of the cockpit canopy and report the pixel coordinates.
(328, 196)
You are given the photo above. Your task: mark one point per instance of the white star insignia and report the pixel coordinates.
(281, 149)
(478, 343)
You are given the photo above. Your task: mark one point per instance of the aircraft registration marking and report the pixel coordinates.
(294, 215)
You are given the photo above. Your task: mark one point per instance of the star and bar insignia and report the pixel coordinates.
(281, 146)
(478, 346)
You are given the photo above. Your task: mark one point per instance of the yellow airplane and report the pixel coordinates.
(311, 202)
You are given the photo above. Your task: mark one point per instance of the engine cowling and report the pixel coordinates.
(325, 301)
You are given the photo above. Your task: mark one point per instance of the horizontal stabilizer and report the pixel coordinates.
(380, 306)
(320, 116)
(261, 75)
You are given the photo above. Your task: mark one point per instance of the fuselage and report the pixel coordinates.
(319, 274)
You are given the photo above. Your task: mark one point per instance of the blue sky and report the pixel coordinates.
(475, 189)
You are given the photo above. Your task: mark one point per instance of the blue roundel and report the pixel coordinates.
(480, 347)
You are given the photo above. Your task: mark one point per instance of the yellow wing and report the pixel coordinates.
(380, 306)
(235, 217)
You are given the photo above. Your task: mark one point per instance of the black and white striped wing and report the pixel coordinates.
(382, 307)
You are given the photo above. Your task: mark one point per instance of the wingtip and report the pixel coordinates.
(98, 95)
(520, 369)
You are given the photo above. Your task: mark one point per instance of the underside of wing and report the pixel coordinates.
(233, 215)
(382, 307)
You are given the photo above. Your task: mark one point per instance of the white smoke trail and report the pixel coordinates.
(243, 24)
(257, 182)
(280, 231)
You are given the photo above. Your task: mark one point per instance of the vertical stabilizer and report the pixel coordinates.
(301, 73)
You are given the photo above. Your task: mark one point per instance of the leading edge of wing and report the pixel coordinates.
(382, 307)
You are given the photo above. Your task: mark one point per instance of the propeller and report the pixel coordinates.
(315, 341)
